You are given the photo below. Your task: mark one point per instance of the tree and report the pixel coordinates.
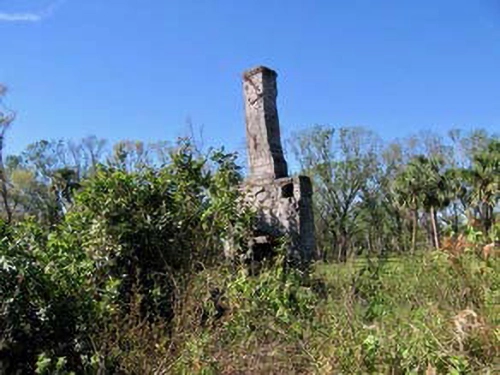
(423, 184)
(435, 192)
(408, 189)
(45, 176)
(484, 183)
(6, 118)
(341, 164)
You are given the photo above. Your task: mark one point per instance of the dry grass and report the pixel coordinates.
(419, 314)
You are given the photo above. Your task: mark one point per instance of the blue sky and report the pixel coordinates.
(139, 69)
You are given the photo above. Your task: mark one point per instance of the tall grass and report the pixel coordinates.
(428, 313)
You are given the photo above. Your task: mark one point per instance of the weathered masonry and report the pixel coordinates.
(283, 203)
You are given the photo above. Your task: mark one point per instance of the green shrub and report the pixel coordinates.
(46, 303)
(116, 263)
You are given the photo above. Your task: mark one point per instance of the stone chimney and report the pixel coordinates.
(265, 154)
(284, 204)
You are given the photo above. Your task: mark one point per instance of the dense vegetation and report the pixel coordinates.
(113, 261)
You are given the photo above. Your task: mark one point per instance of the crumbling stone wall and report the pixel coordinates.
(285, 210)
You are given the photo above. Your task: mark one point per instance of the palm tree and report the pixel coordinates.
(423, 184)
(483, 179)
(407, 188)
(435, 191)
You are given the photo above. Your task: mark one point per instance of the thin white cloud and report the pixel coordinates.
(20, 17)
(31, 16)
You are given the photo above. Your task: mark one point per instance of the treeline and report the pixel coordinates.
(378, 197)
(42, 180)
(370, 196)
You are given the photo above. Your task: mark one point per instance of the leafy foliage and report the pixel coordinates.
(389, 198)
(130, 236)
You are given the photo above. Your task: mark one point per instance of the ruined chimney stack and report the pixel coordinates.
(284, 204)
(265, 153)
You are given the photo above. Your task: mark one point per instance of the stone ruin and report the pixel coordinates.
(283, 203)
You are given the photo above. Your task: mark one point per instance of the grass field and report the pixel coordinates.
(429, 313)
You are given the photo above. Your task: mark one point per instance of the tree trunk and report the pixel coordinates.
(401, 239)
(428, 229)
(3, 178)
(487, 218)
(369, 243)
(435, 231)
(414, 231)
(455, 219)
(343, 247)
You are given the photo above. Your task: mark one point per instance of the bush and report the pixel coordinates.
(46, 305)
(119, 259)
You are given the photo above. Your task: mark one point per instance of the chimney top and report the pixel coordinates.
(259, 69)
